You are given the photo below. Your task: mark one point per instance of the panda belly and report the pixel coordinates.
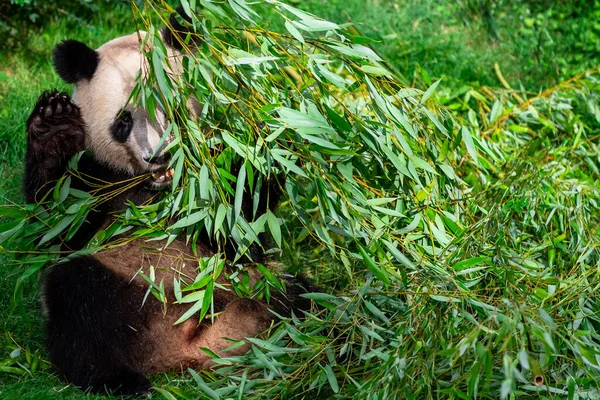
(138, 256)
(100, 329)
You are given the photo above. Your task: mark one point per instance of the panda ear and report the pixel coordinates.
(180, 24)
(75, 61)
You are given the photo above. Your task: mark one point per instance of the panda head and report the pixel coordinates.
(119, 134)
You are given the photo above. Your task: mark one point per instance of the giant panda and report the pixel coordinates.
(101, 334)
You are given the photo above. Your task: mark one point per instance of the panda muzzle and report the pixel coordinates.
(163, 177)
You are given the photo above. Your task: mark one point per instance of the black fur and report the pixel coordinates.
(98, 173)
(177, 33)
(93, 320)
(121, 128)
(160, 160)
(75, 61)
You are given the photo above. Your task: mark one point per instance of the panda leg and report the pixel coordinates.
(91, 322)
(241, 319)
(55, 132)
(245, 318)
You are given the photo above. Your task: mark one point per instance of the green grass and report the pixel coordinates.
(535, 46)
(535, 43)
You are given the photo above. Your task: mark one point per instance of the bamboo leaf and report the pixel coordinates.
(240, 187)
(430, 91)
(370, 263)
(274, 227)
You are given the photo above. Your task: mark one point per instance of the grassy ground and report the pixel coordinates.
(534, 45)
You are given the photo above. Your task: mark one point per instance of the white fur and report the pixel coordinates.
(106, 94)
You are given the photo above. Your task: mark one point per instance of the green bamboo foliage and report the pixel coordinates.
(315, 105)
(457, 250)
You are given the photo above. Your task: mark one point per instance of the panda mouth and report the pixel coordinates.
(162, 178)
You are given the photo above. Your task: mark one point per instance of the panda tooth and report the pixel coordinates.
(163, 176)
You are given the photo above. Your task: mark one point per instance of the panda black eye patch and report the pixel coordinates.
(121, 127)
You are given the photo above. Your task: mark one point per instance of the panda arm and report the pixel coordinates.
(55, 132)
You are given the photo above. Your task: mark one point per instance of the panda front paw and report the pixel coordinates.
(55, 127)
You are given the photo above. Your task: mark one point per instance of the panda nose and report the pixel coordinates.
(162, 159)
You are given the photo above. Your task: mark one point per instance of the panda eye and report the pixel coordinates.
(121, 127)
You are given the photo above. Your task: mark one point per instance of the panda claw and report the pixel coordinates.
(47, 111)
